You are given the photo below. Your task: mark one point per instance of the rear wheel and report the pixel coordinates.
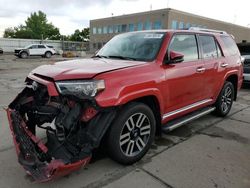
(131, 134)
(225, 100)
(48, 54)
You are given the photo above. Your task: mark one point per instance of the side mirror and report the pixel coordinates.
(174, 57)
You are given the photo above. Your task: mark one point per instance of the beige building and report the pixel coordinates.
(102, 30)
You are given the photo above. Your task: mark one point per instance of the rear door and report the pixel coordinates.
(184, 82)
(214, 63)
(41, 49)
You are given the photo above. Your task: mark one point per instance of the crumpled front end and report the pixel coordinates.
(74, 127)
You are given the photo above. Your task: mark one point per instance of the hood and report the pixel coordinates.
(82, 68)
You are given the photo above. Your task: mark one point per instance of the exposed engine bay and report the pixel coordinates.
(74, 126)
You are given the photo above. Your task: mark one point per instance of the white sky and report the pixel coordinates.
(75, 14)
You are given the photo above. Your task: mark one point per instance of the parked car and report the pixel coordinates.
(35, 50)
(245, 52)
(1, 51)
(138, 85)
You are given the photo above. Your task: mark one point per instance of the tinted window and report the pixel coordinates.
(244, 49)
(209, 48)
(185, 44)
(230, 45)
(41, 46)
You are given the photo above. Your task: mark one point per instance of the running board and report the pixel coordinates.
(173, 124)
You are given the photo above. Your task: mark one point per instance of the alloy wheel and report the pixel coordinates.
(227, 99)
(135, 134)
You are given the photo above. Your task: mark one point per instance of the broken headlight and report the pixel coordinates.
(78, 87)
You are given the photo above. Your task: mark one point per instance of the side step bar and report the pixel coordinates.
(173, 124)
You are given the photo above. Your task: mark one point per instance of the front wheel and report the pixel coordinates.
(24, 55)
(131, 133)
(225, 100)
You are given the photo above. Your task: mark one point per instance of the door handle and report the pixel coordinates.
(224, 65)
(200, 69)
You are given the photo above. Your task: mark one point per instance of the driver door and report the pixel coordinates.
(184, 81)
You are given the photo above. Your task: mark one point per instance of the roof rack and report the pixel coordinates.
(207, 30)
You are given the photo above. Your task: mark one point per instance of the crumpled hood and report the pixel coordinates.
(82, 68)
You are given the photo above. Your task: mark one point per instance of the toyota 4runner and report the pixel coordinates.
(138, 85)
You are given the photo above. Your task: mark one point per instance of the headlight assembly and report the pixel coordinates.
(80, 87)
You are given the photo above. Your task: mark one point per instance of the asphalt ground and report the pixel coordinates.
(208, 152)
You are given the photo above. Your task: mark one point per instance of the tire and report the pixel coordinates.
(131, 134)
(48, 54)
(24, 55)
(225, 100)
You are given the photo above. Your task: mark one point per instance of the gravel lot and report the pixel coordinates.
(209, 152)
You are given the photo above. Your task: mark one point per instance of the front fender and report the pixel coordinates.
(125, 97)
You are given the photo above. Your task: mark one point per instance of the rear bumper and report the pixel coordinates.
(30, 151)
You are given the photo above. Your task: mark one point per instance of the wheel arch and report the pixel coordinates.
(153, 103)
(233, 78)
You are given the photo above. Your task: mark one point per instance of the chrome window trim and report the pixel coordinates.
(186, 108)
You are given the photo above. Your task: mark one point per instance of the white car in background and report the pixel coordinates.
(35, 50)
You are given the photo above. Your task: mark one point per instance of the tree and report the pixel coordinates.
(36, 27)
(80, 35)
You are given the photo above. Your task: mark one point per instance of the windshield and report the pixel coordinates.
(141, 46)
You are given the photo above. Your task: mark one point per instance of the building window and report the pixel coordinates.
(124, 28)
(131, 27)
(174, 24)
(94, 30)
(119, 28)
(99, 30)
(181, 25)
(94, 45)
(188, 25)
(148, 25)
(105, 30)
(110, 29)
(140, 26)
(115, 28)
(157, 25)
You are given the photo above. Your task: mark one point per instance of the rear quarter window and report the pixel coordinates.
(229, 45)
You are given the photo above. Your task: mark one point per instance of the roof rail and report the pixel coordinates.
(207, 30)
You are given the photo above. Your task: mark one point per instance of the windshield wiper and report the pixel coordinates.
(121, 57)
(99, 56)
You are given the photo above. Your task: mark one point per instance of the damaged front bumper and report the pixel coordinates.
(76, 127)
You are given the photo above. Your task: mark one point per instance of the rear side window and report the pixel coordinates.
(230, 45)
(209, 48)
(185, 44)
(41, 46)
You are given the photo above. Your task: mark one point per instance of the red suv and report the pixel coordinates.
(137, 85)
